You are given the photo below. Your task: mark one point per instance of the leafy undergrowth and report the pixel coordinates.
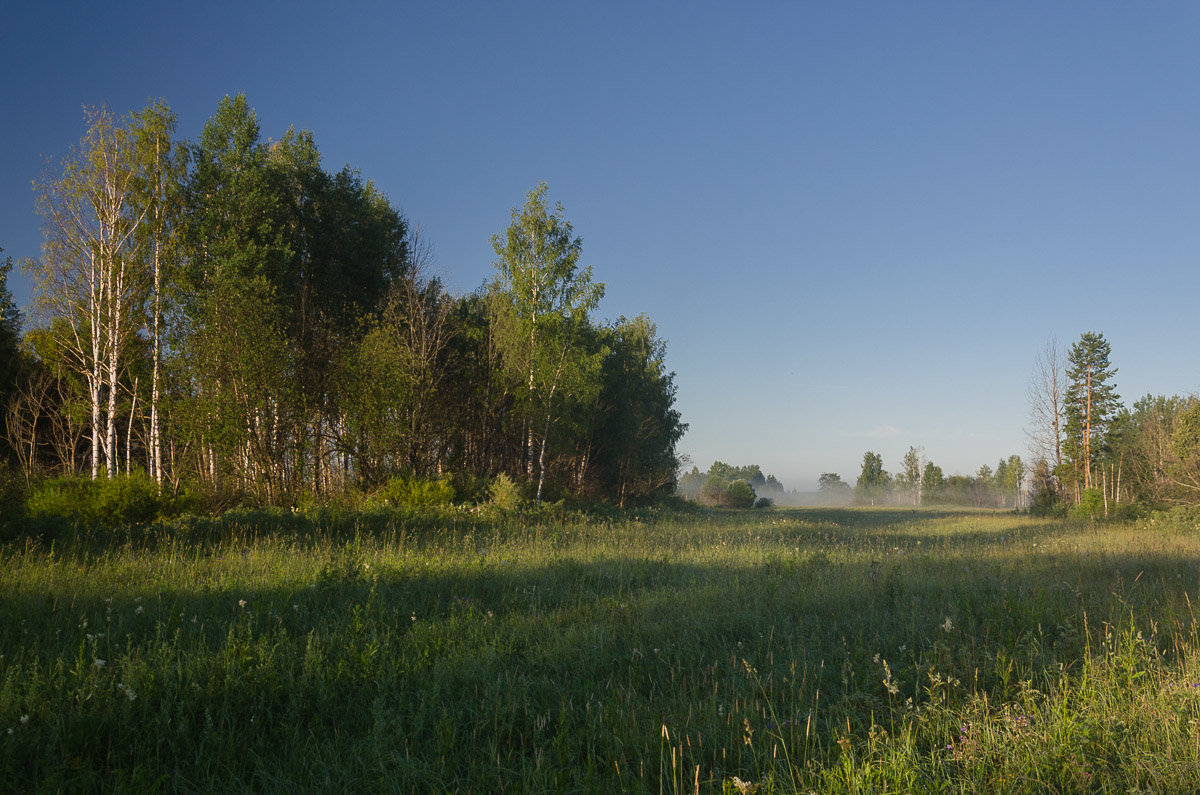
(768, 651)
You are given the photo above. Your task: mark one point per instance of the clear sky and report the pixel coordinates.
(854, 223)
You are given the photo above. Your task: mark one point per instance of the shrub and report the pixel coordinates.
(121, 501)
(764, 502)
(740, 494)
(720, 493)
(1091, 505)
(504, 494)
(417, 492)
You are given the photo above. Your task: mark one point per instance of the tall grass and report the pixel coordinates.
(857, 651)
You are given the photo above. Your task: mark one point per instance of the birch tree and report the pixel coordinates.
(540, 304)
(87, 274)
(1046, 395)
(162, 163)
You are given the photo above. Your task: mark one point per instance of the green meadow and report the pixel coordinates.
(668, 651)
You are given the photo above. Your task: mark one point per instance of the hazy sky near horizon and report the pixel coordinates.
(855, 223)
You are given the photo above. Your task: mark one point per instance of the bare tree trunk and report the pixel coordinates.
(156, 353)
(129, 431)
(116, 293)
(1104, 490)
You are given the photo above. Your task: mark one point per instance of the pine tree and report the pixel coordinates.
(1091, 403)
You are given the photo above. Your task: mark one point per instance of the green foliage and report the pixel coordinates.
(752, 474)
(874, 482)
(413, 492)
(1090, 505)
(540, 302)
(278, 341)
(639, 427)
(719, 492)
(104, 503)
(740, 494)
(504, 495)
(1091, 403)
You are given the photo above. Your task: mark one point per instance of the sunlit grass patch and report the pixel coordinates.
(885, 650)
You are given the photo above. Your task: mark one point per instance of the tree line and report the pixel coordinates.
(727, 486)
(922, 482)
(1097, 456)
(227, 314)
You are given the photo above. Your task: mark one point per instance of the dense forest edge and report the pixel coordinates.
(224, 322)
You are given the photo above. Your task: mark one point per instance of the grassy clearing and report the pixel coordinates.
(852, 650)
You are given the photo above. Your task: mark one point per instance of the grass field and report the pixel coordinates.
(783, 650)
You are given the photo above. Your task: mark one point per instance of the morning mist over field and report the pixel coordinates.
(616, 397)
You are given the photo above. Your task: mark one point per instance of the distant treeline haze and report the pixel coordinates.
(1091, 455)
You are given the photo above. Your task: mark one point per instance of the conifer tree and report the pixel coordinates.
(1091, 403)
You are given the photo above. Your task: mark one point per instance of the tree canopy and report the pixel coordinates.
(230, 316)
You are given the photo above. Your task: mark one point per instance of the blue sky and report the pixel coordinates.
(854, 223)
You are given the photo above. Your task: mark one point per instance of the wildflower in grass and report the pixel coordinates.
(743, 787)
(24, 719)
(242, 603)
(99, 663)
(948, 626)
(139, 610)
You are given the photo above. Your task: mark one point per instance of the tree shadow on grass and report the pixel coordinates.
(500, 667)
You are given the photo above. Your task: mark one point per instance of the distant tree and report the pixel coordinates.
(739, 494)
(752, 473)
(911, 473)
(771, 486)
(984, 487)
(1010, 473)
(690, 483)
(1046, 394)
(1184, 468)
(1091, 403)
(833, 489)
(722, 493)
(1148, 452)
(874, 480)
(714, 490)
(932, 481)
